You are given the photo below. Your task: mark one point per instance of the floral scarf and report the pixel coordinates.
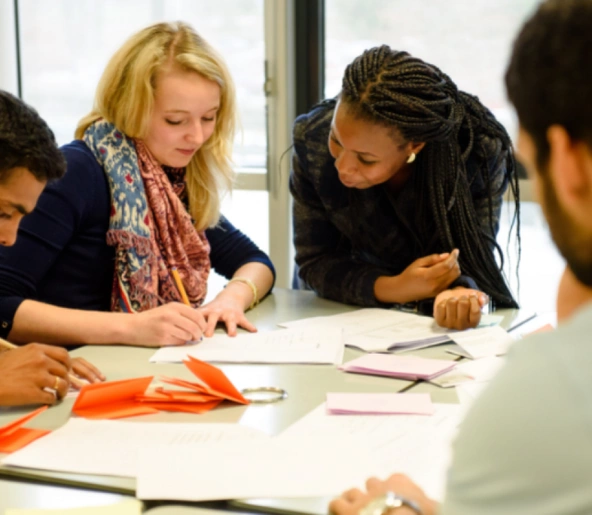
(149, 226)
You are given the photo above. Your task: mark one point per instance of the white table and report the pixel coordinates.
(306, 386)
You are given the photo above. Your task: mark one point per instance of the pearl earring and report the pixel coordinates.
(411, 158)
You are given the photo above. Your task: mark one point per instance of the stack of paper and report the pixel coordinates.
(291, 467)
(375, 329)
(415, 445)
(482, 343)
(110, 447)
(13, 436)
(127, 507)
(318, 346)
(478, 371)
(403, 367)
(380, 404)
(127, 398)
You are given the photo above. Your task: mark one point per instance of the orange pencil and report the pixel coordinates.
(180, 287)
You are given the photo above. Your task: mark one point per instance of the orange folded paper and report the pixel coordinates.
(128, 398)
(176, 400)
(216, 382)
(14, 437)
(212, 382)
(114, 399)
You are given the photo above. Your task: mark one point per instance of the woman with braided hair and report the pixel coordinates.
(397, 187)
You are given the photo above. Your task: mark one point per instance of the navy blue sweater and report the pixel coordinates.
(61, 256)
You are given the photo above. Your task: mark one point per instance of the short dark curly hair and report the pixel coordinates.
(548, 78)
(26, 141)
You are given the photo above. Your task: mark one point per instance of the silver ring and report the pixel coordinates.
(271, 394)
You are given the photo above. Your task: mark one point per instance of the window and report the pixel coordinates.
(65, 46)
(469, 40)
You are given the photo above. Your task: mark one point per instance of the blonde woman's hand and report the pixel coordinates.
(228, 308)
(167, 325)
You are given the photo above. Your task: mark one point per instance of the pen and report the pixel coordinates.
(73, 379)
(180, 287)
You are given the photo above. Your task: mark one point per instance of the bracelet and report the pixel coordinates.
(251, 285)
(264, 394)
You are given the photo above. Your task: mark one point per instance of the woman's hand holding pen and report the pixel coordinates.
(167, 325)
(426, 277)
(30, 374)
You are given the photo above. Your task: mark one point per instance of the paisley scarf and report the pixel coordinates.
(149, 226)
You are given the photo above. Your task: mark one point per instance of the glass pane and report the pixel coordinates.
(469, 40)
(247, 211)
(65, 46)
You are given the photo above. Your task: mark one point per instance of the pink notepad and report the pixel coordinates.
(403, 367)
(379, 404)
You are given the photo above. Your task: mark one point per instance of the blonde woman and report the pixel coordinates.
(140, 198)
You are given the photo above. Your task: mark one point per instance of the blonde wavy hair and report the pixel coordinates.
(125, 97)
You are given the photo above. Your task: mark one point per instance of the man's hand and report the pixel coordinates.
(352, 501)
(459, 308)
(26, 373)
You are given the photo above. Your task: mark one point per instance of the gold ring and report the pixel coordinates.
(57, 383)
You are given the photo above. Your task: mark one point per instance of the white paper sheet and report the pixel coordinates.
(126, 507)
(415, 445)
(379, 403)
(375, 329)
(469, 392)
(109, 447)
(316, 346)
(289, 467)
(478, 370)
(352, 322)
(483, 343)
(408, 332)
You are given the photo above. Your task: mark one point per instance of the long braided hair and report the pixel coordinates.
(395, 90)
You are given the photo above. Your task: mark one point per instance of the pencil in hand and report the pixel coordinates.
(180, 287)
(77, 382)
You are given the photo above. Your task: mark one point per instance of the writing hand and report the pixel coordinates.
(167, 325)
(26, 373)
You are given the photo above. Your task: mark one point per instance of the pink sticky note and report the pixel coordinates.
(404, 367)
(379, 404)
